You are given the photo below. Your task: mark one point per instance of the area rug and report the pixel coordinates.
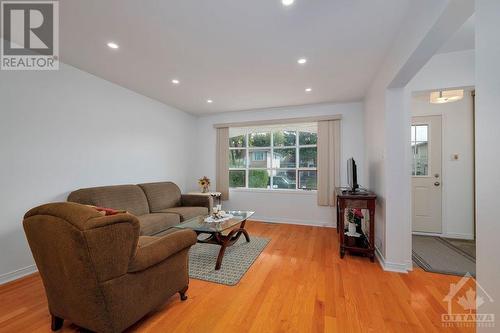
(440, 255)
(464, 245)
(237, 260)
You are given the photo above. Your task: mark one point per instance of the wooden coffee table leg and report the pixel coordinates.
(220, 256)
(242, 230)
(225, 241)
(245, 233)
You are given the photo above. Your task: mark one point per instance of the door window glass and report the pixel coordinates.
(420, 150)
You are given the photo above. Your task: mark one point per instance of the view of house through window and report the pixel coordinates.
(420, 150)
(277, 157)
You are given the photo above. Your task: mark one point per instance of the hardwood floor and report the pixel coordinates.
(298, 284)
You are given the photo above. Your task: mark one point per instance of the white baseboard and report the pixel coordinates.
(419, 233)
(292, 221)
(445, 235)
(391, 266)
(18, 273)
(458, 235)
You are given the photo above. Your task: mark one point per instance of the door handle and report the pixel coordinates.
(437, 183)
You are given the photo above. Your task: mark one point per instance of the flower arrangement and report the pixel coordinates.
(355, 215)
(204, 184)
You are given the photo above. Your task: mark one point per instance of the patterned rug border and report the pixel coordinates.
(265, 239)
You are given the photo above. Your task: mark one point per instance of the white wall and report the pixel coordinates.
(67, 129)
(487, 158)
(387, 109)
(377, 126)
(278, 207)
(446, 70)
(457, 175)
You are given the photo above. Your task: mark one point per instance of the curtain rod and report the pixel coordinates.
(279, 121)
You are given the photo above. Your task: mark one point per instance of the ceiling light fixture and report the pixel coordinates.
(209, 101)
(287, 2)
(446, 96)
(112, 45)
(175, 81)
(302, 61)
(308, 89)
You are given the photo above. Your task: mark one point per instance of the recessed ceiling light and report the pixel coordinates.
(287, 2)
(302, 61)
(209, 101)
(308, 89)
(175, 81)
(113, 45)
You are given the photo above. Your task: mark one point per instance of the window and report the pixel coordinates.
(273, 158)
(420, 150)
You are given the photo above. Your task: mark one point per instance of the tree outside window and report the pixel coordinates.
(274, 159)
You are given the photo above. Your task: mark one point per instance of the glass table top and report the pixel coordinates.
(198, 223)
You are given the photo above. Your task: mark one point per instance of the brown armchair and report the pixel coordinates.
(97, 271)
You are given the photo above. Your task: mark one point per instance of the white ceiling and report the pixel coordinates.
(463, 39)
(241, 54)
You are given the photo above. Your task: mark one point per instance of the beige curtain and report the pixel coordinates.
(222, 162)
(328, 161)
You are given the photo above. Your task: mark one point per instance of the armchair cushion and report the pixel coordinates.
(153, 250)
(187, 213)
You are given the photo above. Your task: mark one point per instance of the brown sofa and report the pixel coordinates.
(97, 271)
(158, 206)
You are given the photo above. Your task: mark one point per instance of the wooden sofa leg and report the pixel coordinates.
(182, 292)
(57, 323)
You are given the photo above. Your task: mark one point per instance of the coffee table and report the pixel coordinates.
(224, 233)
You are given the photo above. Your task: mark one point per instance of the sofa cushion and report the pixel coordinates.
(187, 213)
(157, 222)
(122, 197)
(161, 195)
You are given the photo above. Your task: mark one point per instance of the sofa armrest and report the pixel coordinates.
(156, 249)
(195, 200)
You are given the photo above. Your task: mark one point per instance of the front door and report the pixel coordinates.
(426, 174)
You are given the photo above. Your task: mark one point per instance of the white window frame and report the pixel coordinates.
(271, 148)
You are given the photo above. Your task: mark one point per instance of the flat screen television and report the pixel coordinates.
(352, 175)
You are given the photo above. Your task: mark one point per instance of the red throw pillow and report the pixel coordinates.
(108, 211)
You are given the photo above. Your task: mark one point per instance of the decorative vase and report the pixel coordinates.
(352, 228)
(204, 189)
